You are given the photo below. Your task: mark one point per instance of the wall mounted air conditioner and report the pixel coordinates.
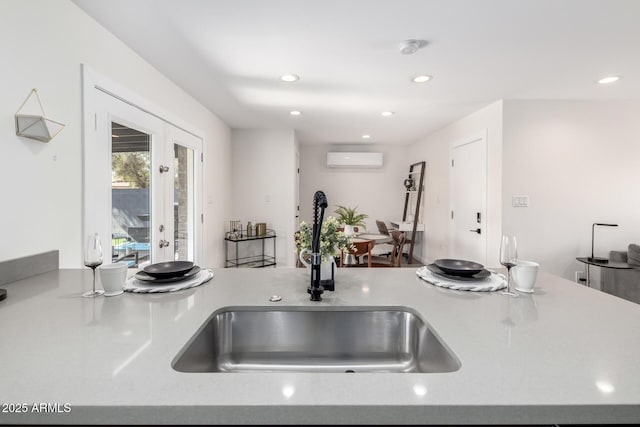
(354, 160)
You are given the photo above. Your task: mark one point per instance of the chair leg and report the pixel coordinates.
(398, 260)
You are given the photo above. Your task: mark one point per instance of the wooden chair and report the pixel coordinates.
(382, 227)
(382, 247)
(364, 248)
(398, 246)
(361, 248)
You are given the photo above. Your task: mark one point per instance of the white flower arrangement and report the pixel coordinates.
(332, 241)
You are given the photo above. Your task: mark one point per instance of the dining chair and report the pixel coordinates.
(360, 248)
(399, 239)
(382, 247)
(382, 250)
(382, 227)
(395, 254)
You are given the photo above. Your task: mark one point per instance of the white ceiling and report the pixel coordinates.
(229, 55)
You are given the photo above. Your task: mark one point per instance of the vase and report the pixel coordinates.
(327, 269)
(349, 230)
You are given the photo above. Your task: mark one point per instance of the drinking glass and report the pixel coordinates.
(92, 259)
(508, 258)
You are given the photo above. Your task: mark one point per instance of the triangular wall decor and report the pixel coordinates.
(36, 127)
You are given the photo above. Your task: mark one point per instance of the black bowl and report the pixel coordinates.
(459, 267)
(151, 280)
(473, 278)
(168, 269)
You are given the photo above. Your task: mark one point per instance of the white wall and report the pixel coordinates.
(264, 176)
(434, 149)
(43, 43)
(379, 193)
(579, 163)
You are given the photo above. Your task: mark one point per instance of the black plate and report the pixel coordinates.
(164, 270)
(482, 274)
(459, 267)
(150, 280)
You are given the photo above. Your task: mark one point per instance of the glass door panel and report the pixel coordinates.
(130, 195)
(183, 203)
(186, 207)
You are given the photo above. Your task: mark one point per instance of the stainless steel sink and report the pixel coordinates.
(255, 339)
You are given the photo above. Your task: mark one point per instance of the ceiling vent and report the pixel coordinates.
(354, 160)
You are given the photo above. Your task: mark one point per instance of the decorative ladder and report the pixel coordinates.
(413, 170)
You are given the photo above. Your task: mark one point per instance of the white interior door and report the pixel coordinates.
(468, 197)
(148, 209)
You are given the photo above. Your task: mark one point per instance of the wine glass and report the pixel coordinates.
(92, 259)
(508, 258)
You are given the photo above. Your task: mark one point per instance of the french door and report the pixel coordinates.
(142, 181)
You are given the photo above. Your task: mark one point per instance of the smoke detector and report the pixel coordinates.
(411, 46)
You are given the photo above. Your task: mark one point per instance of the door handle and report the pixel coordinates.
(164, 243)
(477, 230)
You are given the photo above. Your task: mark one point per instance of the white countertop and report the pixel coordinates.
(566, 354)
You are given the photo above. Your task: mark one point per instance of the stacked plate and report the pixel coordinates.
(458, 269)
(167, 272)
(167, 277)
(461, 275)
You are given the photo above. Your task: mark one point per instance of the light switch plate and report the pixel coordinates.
(520, 201)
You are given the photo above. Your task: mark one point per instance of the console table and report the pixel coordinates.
(611, 264)
(260, 260)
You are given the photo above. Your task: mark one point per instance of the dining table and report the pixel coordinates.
(377, 238)
(363, 244)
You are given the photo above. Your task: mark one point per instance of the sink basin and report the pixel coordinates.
(255, 339)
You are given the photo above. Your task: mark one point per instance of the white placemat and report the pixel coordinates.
(492, 283)
(134, 285)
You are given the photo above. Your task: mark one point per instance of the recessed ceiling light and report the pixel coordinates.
(421, 79)
(608, 79)
(289, 78)
(295, 113)
(387, 113)
(366, 136)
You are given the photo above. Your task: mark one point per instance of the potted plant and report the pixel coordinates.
(332, 243)
(350, 218)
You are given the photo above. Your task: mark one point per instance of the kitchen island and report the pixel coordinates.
(566, 354)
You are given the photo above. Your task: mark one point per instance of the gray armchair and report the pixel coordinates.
(623, 283)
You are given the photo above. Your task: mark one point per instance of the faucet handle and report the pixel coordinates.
(315, 292)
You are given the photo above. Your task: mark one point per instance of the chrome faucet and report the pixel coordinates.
(319, 203)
